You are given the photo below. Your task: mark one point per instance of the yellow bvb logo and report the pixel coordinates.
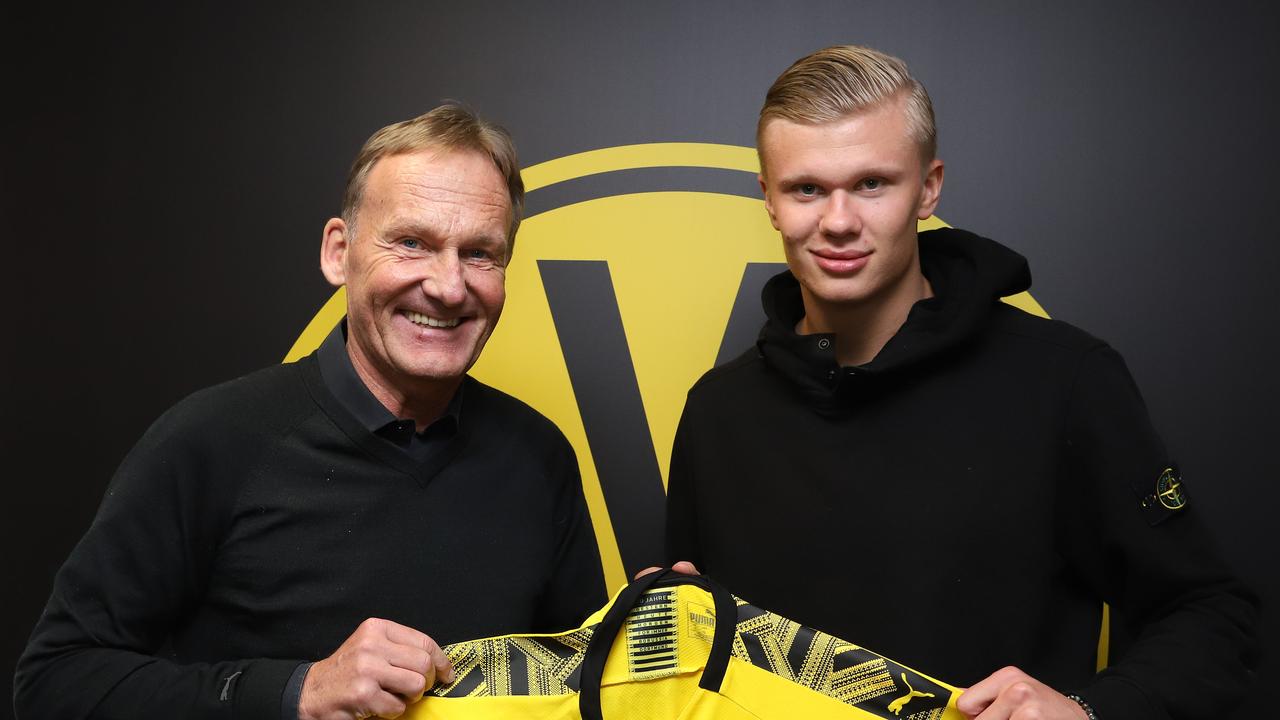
(654, 275)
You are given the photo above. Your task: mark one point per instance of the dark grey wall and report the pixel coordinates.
(166, 173)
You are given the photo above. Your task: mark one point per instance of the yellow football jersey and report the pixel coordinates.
(656, 651)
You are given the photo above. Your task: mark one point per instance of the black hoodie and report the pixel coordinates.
(966, 500)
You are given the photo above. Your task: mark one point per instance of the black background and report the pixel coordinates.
(167, 171)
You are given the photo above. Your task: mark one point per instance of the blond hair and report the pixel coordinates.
(839, 81)
(451, 126)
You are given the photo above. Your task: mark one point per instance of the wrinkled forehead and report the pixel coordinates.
(442, 162)
(446, 175)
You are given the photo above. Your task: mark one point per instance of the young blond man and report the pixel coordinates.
(908, 463)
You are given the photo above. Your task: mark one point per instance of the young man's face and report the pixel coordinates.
(846, 196)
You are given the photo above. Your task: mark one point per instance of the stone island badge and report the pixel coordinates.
(1167, 497)
(1169, 490)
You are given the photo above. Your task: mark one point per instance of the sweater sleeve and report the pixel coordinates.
(99, 648)
(1192, 623)
(576, 588)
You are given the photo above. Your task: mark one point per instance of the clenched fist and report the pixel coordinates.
(376, 672)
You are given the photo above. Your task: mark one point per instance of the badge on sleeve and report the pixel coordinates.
(1168, 496)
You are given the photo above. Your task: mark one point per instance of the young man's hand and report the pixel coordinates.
(683, 567)
(1010, 694)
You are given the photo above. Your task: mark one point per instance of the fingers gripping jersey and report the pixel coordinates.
(656, 651)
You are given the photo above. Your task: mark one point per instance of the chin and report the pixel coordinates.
(837, 292)
(436, 374)
(435, 369)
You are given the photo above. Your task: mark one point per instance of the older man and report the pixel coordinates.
(344, 506)
(906, 462)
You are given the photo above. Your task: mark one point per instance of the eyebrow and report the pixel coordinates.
(404, 226)
(816, 179)
(407, 226)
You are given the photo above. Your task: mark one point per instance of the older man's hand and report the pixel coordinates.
(376, 672)
(1011, 694)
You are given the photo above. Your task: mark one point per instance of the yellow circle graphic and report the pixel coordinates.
(675, 260)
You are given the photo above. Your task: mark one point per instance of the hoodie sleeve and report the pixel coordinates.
(681, 539)
(1140, 542)
(97, 649)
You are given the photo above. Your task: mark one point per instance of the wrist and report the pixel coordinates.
(1088, 710)
(291, 701)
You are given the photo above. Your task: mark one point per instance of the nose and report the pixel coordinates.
(840, 215)
(444, 281)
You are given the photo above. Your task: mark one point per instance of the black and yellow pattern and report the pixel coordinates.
(653, 636)
(668, 632)
(516, 665)
(834, 667)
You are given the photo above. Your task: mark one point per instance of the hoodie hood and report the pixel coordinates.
(969, 275)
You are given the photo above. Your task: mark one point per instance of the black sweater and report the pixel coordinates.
(257, 523)
(964, 501)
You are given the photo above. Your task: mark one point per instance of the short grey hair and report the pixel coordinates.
(452, 126)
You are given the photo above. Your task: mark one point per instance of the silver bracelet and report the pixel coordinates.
(1088, 711)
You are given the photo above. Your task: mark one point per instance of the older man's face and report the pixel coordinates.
(425, 271)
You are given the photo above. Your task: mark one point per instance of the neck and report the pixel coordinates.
(862, 329)
(422, 401)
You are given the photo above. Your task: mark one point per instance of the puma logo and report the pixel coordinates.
(896, 706)
(226, 688)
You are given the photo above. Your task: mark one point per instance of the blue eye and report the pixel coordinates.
(872, 183)
(808, 189)
(411, 243)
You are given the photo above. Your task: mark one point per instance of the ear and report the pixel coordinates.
(768, 202)
(333, 252)
(932, 189)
